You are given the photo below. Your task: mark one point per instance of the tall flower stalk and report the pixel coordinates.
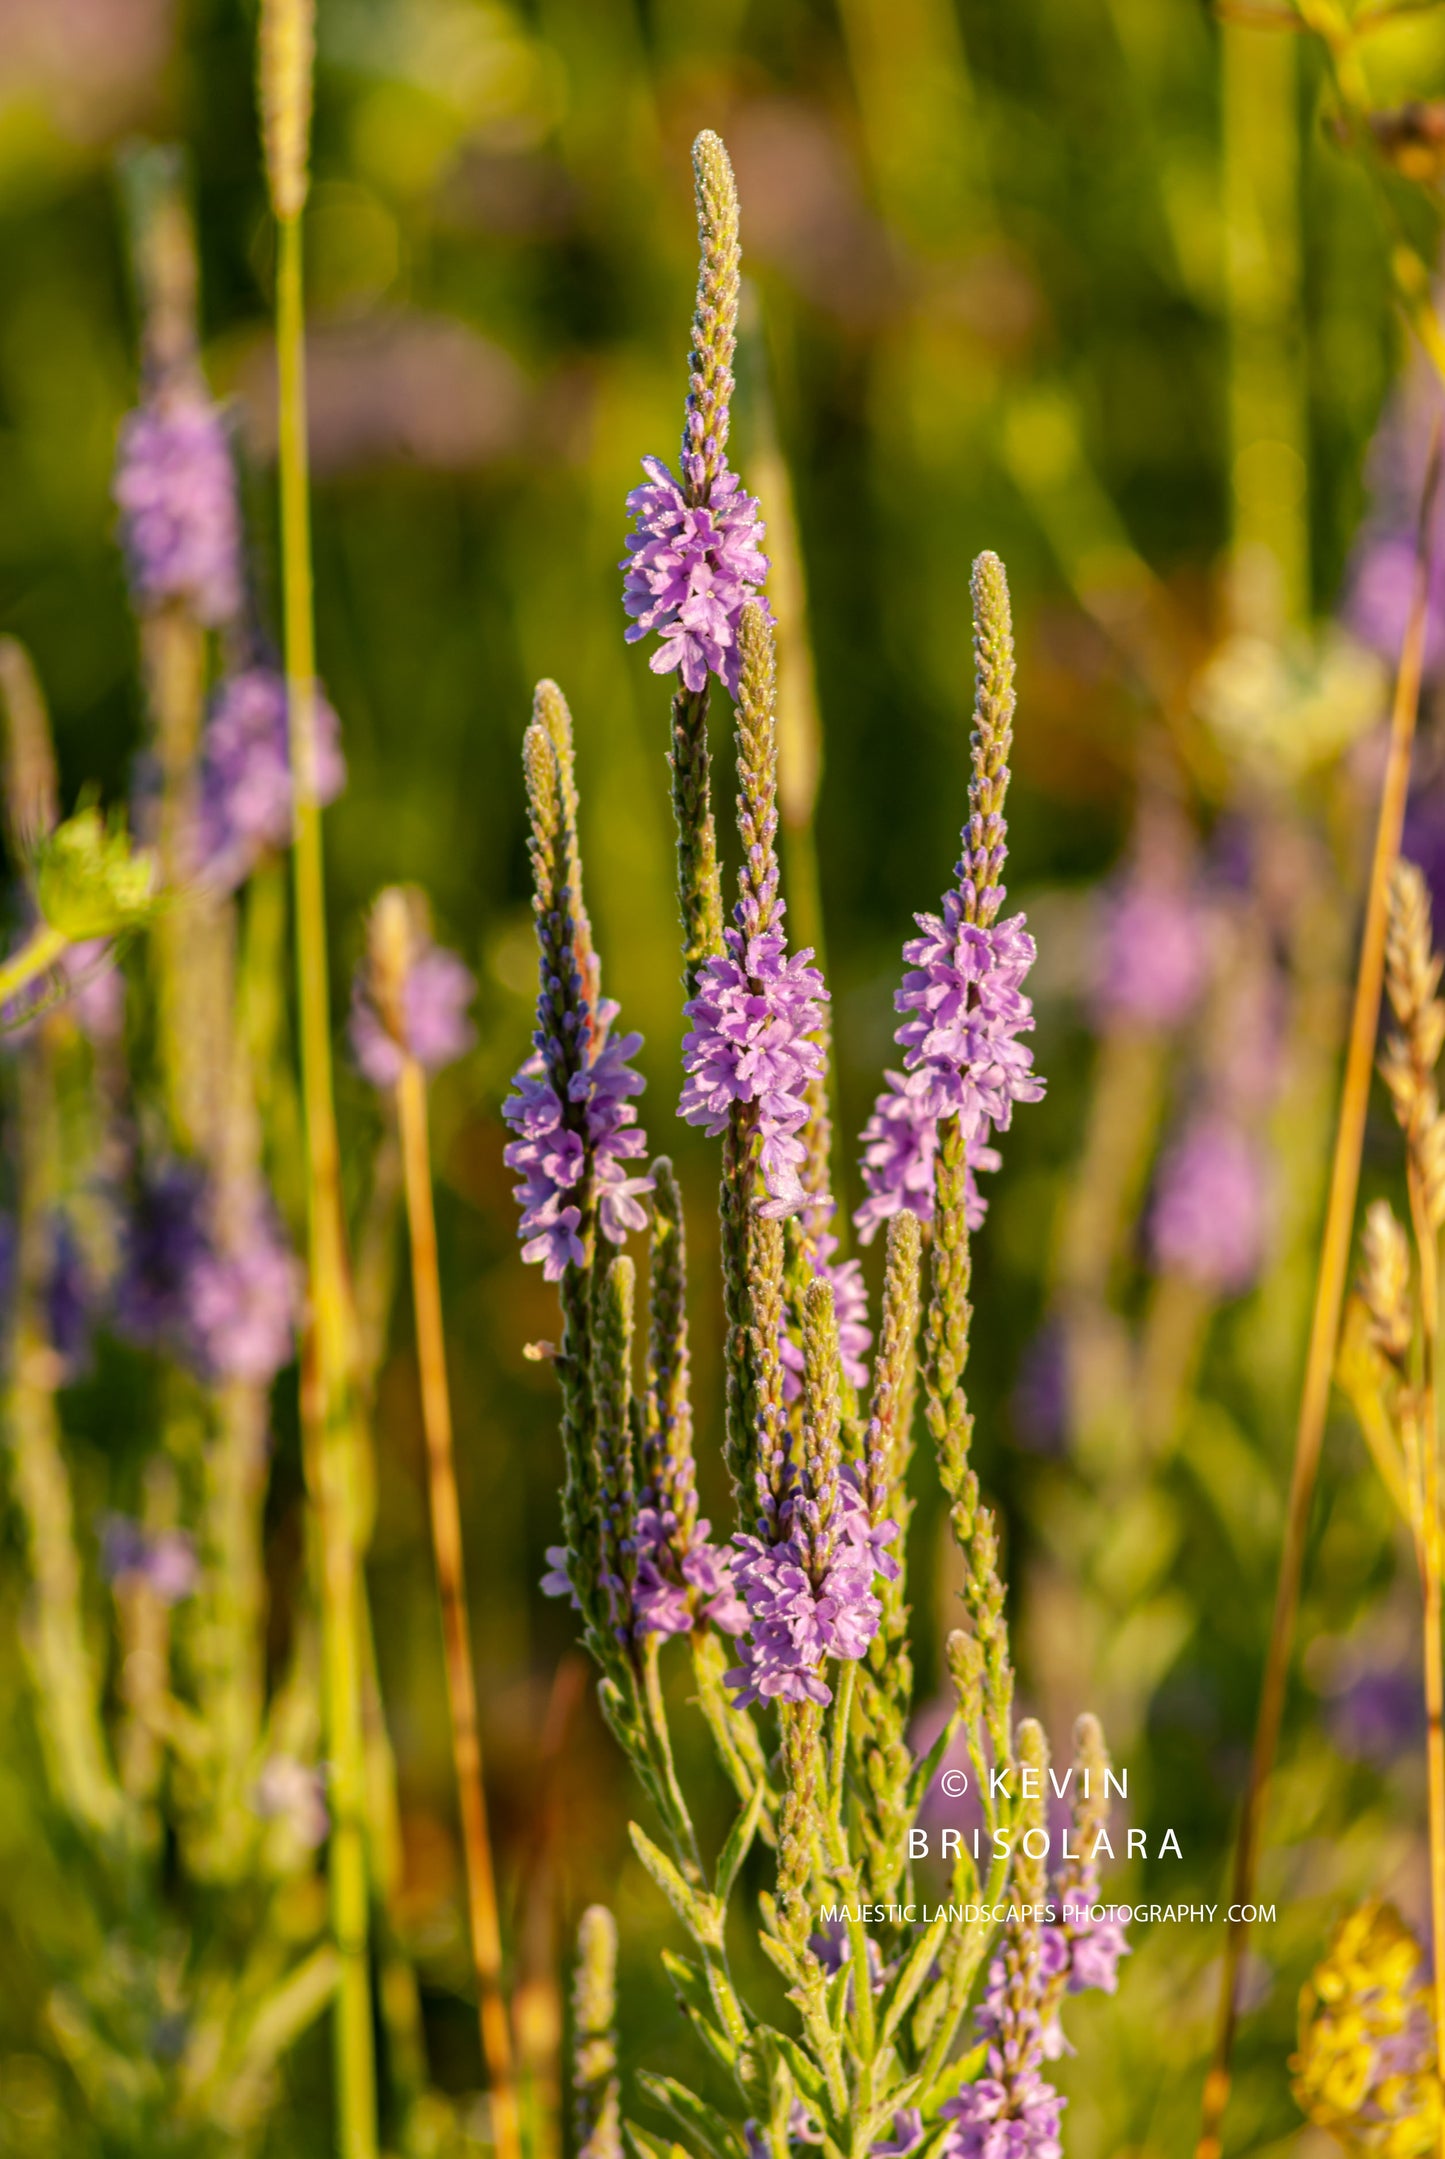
(1412, 978)
(329, 1410)
(810, 1712)
(397, 944)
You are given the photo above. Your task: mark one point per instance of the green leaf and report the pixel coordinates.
(806, 2073)
(778, 1953)
(696, 2004)
(699, 1913)
(954, 2075)
(923, 1771)
(712, 2130)
(739, 1843)
(647, 2146)
(910, 1979)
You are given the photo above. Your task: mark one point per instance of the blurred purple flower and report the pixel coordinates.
(437, 992)
(1094, 1957)
(288, 1791)
(230, 1313)
(1207, 1221)
(247, 798)
(85, 981)
(244, 1305)
(1040, 1400)
(164, 1242)
(753, 1019)
(70, 1298)
(1374, 1707)
(165, 1561)
(1152, 954)
(691, 569)
(1380, 580)
(175, 488)
(833, 1948)
(1380, 588)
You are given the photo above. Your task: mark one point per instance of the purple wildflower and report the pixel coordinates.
(1374, 1709)
(1040, 1401)
(899, 1143)
(664, 1604)
(164, 1242)
(552, 1156)
(1012, 2112)
(906, 2136)
(175, 488)
(70, 1299)
(962, 999)
(833, 1949)
(165, 1561)
(992, 2122)
(1153, 948)
(557, 1582)
(231, 1313)
(691, 569)
(753, 1018)
(247, 799)
(1081, 1951)
(797, 1615)
(1380, 582)
(1208, 1218)
(434, 1000)
(966, 1011)
(1094, 1956)
(243, 1305)
(576, 1127)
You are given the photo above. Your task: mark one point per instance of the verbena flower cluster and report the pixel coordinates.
(692, 565)
(963, 1057)
(576, 1148)
(807, 1604)
(755, 1021)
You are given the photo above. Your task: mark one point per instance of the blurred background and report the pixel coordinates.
(1091, 283)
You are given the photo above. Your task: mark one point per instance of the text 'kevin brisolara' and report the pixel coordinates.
(1046, 1915)
(1039, 1844)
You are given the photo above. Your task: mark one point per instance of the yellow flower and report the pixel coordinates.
(1365, 2069)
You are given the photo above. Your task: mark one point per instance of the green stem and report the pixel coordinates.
(36, 956)
(683, 1833)
(964, 1969)
(842, 1712)
(326, 1405)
